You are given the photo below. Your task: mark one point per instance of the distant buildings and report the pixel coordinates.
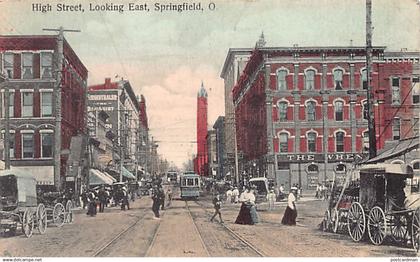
(300, 112)
(212, 153)
(219, 129)
(31, 64)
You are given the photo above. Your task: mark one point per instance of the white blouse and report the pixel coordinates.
(290, 200)
(247, 197)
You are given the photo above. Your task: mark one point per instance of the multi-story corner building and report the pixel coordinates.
(212, 153)
(201, 160)
(301, 111)
(234, 64)
(118, 100)
(31, 64)
(219, 127)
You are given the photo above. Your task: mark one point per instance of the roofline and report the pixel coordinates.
(229, 55)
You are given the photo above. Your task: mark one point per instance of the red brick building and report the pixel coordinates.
(201, 160)
(300, 111)
(30, 63)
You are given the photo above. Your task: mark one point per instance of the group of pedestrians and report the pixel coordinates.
(232, 195)
(321, 192)
(102, 197)
(158, 196)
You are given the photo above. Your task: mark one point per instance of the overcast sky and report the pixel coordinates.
(165, 56)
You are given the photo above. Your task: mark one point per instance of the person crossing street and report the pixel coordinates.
(217, 203)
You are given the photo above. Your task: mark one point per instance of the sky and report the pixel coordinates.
(166, 55)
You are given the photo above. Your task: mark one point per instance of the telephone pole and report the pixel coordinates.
(58, 102)
(371, 111)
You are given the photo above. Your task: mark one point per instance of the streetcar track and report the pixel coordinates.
(155, 234)
(234, 234)
(118, 236)
(198, 231)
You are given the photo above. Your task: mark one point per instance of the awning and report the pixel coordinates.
(44, 175)
(401, 148)
(395, 169)
(111, 177)
(127, 173)
(96, 177)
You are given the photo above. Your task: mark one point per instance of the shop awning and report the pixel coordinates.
(127, 173)
(402, 147)
(44, 175)
(111, 177)
(96, 177)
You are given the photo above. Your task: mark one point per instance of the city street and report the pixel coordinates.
(185, 230)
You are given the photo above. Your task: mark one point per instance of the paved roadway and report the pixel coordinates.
(185, 231)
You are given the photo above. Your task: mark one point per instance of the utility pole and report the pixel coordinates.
(371, 111)
(57, 89)
(6, 127)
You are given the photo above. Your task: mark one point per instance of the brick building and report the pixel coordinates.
(30, 64)
(201, 160)
(219, 127)
(212, 153)
(300, 111)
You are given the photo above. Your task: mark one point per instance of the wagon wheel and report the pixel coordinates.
(58, 214)
(41, 217)
(335, 219)
(399, 228)
(69, 212)
(326, 221)
(28, 223)
(377, 226)
(415, 230)
(356, 221)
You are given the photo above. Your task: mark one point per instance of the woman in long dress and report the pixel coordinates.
(247, 199)
(289, 217)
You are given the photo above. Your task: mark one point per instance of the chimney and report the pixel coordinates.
(107, 83)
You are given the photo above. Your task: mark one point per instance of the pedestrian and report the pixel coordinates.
(235, 194)
(217, 203)
(169, 193)
(161, 197)
(318, 191)
(299, 192)
(229, 194)
(84, 198)
(91, 198)
(156, 202)
(102, 197)
(124, 200)
(247, 199)
(271, 197)
(290, 214)
(253, 208)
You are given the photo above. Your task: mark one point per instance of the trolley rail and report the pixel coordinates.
(234, 234)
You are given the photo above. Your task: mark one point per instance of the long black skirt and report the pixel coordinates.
(244, 216)
(289, 217)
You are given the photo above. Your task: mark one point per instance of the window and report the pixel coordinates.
(338, 107)
(11, 104)
(416, 126)
(313, 168)
(28, 145)
(46, 64)
(416, 166)
(365, 110)
(281, 80)
(416, 91)
(395, 88)
(283, 166)
(283, 111)
(46, 104)
(283, 138)
(310, 111)
(364, 79)
(47, 145)
(27, 63)
(366, 141)
(8, 64)
(310, 79)
(27, 104)
(11, 144)
(396, 124)
(339, 142)
(338, 79)
(312, 142)
(190, 182)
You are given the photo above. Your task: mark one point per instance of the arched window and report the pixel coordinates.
(313, 168)
(281, 80)
(311, 142)
(283, 111)
(310, 79)
(338, 79)
(364, 79)
(340, 168)
(310, 111)
(338, 107)
(396, 128)
(416, 166)
(339, 141)
(283, 138)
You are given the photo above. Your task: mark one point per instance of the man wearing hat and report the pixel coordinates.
(289, 217)
(271, 198)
